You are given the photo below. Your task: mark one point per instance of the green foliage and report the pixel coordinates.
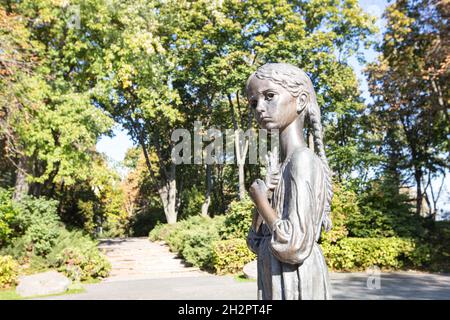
(42, 238)
(439, 240)
(343, 207)
(41, 242)
(7, 216)
(35, 211)
(9, 271)
(230, 256)
(191, 238)
(379, 211)
(192, 200)
(35, 227)
(352, 254)
(386, 212)
(77, 256)
(145, 220)
(161, 231)
(238, 219)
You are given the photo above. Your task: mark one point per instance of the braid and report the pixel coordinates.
(297, 81)
(314, 118)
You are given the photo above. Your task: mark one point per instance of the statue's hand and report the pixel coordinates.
(258, 191)
(273, 170)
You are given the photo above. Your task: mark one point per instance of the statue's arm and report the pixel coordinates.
(293, 235)
(258, 193)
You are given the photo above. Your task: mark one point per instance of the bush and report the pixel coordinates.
(35, 227)
(351, 254)
(41, 237)
(145, 220)
(32, 211)
(192, 201)
(80, 264)
(343, 207)
(230, 256)
(161, 231)
(78, 257)
(238, 219)
(198, 239)
(7, 215)
(192, 238)
(71, 252)
(8, 271)
(386, 212)
(439, 239)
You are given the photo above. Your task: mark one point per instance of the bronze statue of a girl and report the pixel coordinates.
(291, 265)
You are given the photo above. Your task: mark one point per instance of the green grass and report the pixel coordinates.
(242, 278)
(91, 281)
(10, 294)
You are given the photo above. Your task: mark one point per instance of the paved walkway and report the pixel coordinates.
(138, 258)
(143, 270)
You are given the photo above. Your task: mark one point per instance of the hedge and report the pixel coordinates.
(9, 271)
(353, 254)
(230, 256)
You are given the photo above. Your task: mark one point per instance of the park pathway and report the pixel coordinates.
(148, 270)
(138, 258)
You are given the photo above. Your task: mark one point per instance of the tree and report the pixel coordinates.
(219, 44)
(407, 84)
(50, 124)
(155, 66)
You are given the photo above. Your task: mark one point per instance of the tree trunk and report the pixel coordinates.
(21, 186)
(419, 195)
(168, 192)
(205, 205)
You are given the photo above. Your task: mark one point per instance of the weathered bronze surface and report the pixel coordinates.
(293, 203)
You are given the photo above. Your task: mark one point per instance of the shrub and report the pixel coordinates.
(161, 231)
(71, 252)
(343, 207)
(192, 200)
(351, 254)
(35, 228)
(386, 212)
(230, 256)
(191, 238)
(41, 237)
(78, 257)
(7, 215)
(32, 211)
(82, 264)
(144, 220)
(8, 271)
(238, 219)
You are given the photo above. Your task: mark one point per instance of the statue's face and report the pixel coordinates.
(273, 105)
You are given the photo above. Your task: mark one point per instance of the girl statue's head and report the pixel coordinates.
(280, 94)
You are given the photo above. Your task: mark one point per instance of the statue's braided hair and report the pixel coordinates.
(296, 81)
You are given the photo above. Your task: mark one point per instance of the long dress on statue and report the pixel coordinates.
(290, 262)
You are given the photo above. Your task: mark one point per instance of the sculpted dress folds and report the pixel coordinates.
(293, 203)
(291, 265)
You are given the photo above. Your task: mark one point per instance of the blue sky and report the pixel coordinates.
(116, 147)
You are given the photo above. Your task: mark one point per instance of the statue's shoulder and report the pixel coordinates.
(305, 161)
(304, 155)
